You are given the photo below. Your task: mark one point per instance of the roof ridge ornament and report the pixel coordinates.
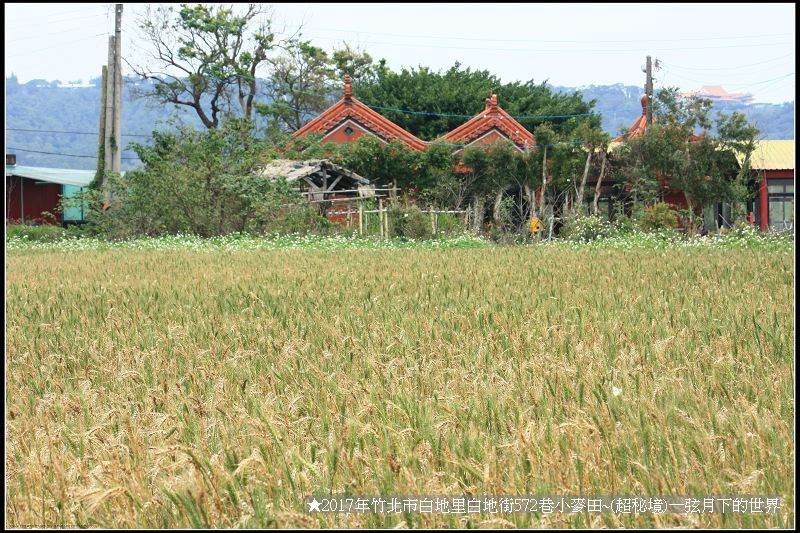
(348, 89)
(644, 105)
(491, 104)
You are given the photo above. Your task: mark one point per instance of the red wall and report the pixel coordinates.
(493, 137)
(38, 197)
(340, 137)
(763, 194)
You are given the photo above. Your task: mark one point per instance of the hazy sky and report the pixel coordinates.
(743, 47)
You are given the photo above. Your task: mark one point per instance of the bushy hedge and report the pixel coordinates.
(44, 233)
(410, 222)
(660, 216)
(585, 228)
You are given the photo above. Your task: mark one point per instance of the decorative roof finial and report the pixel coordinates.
(644, 105)
(491, 102)
(348, 88)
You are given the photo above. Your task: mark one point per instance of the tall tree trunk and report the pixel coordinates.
(530, 200)
(496, 212)
(477, 215)
(579, 196)
(544, 180)
(691, 224)
(595, 207)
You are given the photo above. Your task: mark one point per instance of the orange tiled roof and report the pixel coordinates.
(493, 118)
(639, 127)
(351, 108)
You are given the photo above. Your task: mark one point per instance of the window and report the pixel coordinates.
(781, 203)
(348, 130)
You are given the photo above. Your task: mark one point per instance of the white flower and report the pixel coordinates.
(616, 391)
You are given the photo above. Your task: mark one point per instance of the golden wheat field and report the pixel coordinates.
(195, 389)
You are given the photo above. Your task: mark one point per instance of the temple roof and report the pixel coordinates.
(493, 117)
(639, 127)
(350, 108)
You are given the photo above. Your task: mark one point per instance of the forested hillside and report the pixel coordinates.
(621, 104)
(43, 105)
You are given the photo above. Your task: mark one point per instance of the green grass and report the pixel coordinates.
(173, 388)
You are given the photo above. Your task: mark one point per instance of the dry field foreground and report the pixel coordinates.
(169, 389)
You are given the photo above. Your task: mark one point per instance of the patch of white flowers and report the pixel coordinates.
(664, 240)
(244, 242)
(739, 239)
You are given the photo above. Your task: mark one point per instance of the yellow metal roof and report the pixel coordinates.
(772, 155)
(768, 155)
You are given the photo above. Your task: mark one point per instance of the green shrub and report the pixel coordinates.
(624, 225)
(409, 222)
(743, 230)
(658, 217)
(584, 228)
(449, 224)
(45, 232)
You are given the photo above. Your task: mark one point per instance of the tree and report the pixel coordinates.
(591, 139)
(704, 167)
(382, 163)
(205, 58)
(298, 86)
(545, 136)
(305, 80)
(600, 176)
(202, 182)
(356, 63)
(460, 93)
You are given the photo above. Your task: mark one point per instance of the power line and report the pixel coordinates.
(448, 115)
(681, 76)
(471, 116)
(766, 88)
(762, 82)
(579, 41)
(55, 33)
(56, 21)
(603, 50)
(60, 13)
(73, 132)
(58, 45)
(405, 137)
(65, 155)
(727, 68)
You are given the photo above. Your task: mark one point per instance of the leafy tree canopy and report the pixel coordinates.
(463, 91)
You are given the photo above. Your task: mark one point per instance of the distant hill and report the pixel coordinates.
(46, 105)
(620, 105)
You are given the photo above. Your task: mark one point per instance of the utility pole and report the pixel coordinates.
(648, 90)
(108, 110)
(111, 110)
(101, 159)
(118, 88)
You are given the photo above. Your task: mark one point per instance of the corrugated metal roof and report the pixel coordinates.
(62, 176)
(768, 155)
(294, 170)
(772, 155)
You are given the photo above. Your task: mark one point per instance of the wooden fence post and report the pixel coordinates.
(386, 221)
(380, 216)
(361, 217)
